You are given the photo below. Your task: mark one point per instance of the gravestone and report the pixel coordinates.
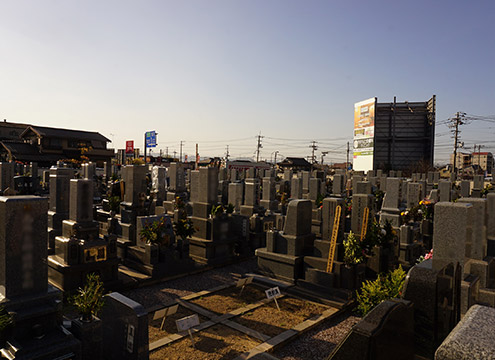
(24, 288)
(362, 187)
(445, 191)
(478, 182)
(435, 293)
(80, 250)
(472, 338)
(465, 188)
(212, 243)
(452, 229)
(194, 185)
(288, 175)
(236, 195)
(125, 329)
(59, 203)
(391, 206)
(158, 183)
(296, 188)
(306, 176)
(177, 178)
(251, 197)
(268, 199)
(359, 203)
(314, 189)
(338, 185)
(415, 193)
(385, 333)
(283, 256)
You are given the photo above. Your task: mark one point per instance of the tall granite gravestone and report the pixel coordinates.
(465, 188)
(268, 197)
(159, 183)
(213, 242)
(296, 188)
(125, 329)
(283, 256)
(251, 197)
(477, 262)
(445, 191)
(392, 207)
(288, 175)
(452, 229)
(415, 193)
(316, 279)
(435, 293)
(177, 186)
(59, 203)
(80, 250)
(24, 288)
(134, 205)
(306, 175)
(385, 333)
(362, 187)
(338, 185)
(359, 203)
(236, 195)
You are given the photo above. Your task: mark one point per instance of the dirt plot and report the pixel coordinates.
(169, 327)
(269, 321)
(216, 342)
(224, 301)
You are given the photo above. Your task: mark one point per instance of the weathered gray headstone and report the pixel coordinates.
(236, 195)
(296, 188)
(478, 236)
(81, 203)
(451, 231)
(298, 221)
(445, 190)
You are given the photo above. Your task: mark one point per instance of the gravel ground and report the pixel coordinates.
(319, 342)
(166, 292)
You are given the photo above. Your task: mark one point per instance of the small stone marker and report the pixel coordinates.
(273, 293)
(243, 282)
(186, 323)
(163, 313)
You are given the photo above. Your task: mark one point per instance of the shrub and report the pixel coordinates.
(353, 252)
(89, 300)
(386, 286)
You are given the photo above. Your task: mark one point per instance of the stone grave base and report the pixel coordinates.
(169, 263)
(69, 278)
(280, 266)
(211, 252)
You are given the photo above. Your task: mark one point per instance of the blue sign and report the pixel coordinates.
(150, 139)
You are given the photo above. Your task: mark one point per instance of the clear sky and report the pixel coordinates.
(218, 73)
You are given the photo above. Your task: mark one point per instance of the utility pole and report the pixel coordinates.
(175, 153)
(166, 152)
(313, 147)
(227, 154)
(275, 161)
(258, 147)
(455, 122)
(197, 158)
(347, 161)
(323, 153)
(181, 143)
(145, 148)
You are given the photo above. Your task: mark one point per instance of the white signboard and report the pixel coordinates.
(272, 293)
(187, 322)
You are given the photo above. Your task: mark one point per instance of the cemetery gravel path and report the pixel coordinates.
(320, 341)
(166, 292)
(316, 344)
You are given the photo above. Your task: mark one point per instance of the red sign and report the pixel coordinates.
(129, 147)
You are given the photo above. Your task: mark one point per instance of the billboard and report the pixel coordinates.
(150, 139)
(129, 147)
(364, 134)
